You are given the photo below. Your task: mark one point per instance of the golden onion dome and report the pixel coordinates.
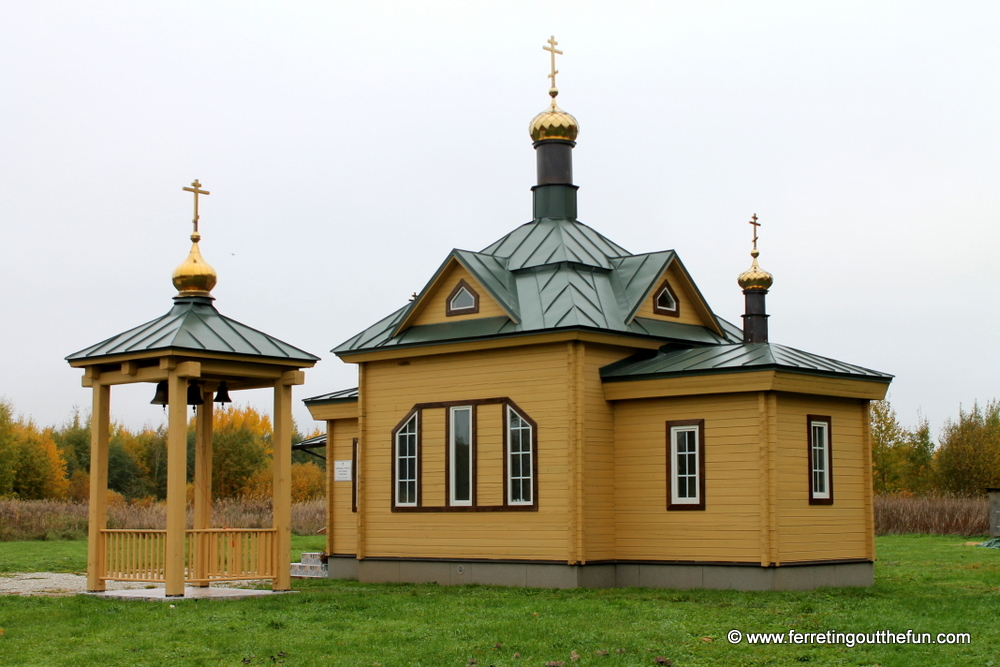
(194, 277)
(755, 278)
(554, 123)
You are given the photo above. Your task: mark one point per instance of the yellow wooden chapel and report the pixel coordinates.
(556, 411)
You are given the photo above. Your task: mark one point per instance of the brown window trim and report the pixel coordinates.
(676, 311)
(505, 402)
(511, 405)
(447, 455)
(829, 457)
(448, 312)
(671, 506)
(420, 454)
(354, 474)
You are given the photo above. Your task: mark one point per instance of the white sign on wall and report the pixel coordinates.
(342, 471)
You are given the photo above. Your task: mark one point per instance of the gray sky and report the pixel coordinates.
(349, 146)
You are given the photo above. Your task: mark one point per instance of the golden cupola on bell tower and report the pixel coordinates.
(194, 276)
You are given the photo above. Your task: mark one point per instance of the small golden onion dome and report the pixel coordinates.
(194, 277)
(755, 278)
(554, 123)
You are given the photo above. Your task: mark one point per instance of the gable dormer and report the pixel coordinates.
(658, 287)
(456, 294)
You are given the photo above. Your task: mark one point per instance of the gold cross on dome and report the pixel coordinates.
(551, 48)
(753, 221)
(196, 189)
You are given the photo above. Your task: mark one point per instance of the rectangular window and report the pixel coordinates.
(686, 464)
(520, 459)
(406, 462)
(820, 461)
(460, 455)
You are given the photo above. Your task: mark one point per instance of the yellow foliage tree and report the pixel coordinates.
(308, 483)
(39, 469)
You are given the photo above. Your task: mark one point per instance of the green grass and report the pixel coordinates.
(928, 584)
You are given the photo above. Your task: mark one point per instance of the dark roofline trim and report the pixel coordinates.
(886, 379)
(329, 401)
(181, 351)
(515, 334)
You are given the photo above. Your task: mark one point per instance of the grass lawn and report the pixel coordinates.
(927, 584)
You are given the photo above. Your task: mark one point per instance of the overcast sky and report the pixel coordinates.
(348, 146)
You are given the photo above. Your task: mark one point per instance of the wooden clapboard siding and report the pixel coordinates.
(728, 529)
(489, 455)
(598, 493)
(433, 451)
(690, 313)
(533, 377)
(342, 523)
(820, 532)
(434, 304)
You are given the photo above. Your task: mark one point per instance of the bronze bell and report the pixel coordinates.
(194, 395)
(161, 394)
(222, 396)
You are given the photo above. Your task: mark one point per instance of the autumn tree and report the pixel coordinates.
(887, 440)
(6, 449)
(968, 460)
(39, 470)
(241, 448)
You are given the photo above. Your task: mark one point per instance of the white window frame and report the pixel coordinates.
(406, 431)
(452, 466)
(675, 497)
(458, 309)
(820, 460)
(526, 428)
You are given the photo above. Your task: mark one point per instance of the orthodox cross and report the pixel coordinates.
(551, 48)
(753, 221)
(196, 189)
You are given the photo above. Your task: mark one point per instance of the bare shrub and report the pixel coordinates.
(935, 515)
(64, 520)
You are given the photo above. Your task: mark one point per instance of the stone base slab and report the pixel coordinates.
(605, 575)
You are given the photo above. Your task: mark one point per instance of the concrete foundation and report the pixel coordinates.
(605, 575)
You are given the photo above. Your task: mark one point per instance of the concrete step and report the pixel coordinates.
(312, 565)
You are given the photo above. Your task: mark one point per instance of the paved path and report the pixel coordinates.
(67, 583)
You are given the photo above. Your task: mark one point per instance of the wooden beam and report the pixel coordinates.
(130, 367)
(203, 485)
(240, 369)
(189, 369)
(100, 436)
(142, 374)
(292, 378)
(282, 486)
(176, 484)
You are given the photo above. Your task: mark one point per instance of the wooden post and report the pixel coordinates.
(176, 484)
(282, 468)
(203, 486)
(100, 434)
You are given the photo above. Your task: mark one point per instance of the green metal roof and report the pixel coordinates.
(550, 274)
(342, 396)
(194, 324)
(730, 359)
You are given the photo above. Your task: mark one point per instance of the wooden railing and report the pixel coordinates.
(213, 554)
(225, 554)
(134, 555)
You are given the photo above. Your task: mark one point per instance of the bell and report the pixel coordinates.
(222, 396)
(161, 394)
(194, 395)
